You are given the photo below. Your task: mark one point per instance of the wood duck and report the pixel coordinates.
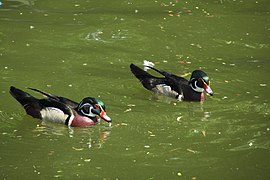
(175, 86)
(62, 110)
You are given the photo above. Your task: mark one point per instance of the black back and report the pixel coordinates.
(149, 81)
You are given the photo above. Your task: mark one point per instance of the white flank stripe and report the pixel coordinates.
(70, 120)
(53, 115)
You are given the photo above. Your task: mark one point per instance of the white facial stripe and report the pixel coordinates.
(197, 89)
(90, 112)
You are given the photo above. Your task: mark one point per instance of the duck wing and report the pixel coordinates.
(36, 107)
(175, 82)
(63, 100)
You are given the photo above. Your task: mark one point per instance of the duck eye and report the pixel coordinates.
(96, 106)
(200, 82)
(85, 109)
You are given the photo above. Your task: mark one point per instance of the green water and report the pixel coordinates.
(83, 48)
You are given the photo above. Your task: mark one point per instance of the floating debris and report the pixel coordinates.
(131, 105)
(87, 160)
(77, 149)
(179, 118)
(225, 97)
(193, 151)
(203, 133)
(127, 110)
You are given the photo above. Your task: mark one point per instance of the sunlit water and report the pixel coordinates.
(84, 48)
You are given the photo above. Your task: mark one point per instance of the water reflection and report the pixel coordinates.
(93, 137)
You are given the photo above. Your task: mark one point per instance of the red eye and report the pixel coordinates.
(96, 106)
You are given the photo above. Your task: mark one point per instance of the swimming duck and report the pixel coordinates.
(174, 86)
(60, 109)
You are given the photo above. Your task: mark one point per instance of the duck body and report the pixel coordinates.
(60, 109)
(174, 86)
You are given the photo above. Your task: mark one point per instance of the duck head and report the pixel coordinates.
(199, 81)
(92, 107)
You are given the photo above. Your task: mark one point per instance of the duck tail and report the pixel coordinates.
(139, 73)
(30, 103)
(22, 97)
(164, 73)
(147, 80)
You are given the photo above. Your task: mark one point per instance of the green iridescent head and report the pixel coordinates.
(92, 107)
(197, 74)
(199, 81)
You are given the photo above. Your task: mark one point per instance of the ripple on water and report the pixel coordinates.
(101, 35)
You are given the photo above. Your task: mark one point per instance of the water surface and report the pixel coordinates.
(84, 48)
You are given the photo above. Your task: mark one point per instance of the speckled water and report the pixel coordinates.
(84, 48)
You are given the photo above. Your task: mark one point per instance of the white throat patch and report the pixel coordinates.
(90, 114)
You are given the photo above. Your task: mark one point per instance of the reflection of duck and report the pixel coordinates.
(175, 86)
(84, 138)
(62, 110)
